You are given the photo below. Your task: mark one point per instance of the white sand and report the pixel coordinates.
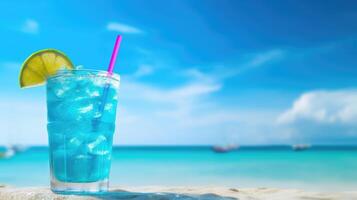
(163, 193)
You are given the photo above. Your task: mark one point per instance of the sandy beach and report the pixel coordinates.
(163, 193)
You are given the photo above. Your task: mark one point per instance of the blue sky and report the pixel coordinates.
(248, 72)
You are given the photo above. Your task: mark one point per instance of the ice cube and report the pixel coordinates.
(86, 108)
(60, 86)
(99, 146)
(109, 112)
(116, 97)
(97, 115)
(59, 132)
(74, 143)
(92, 92)
(112, 93)
(79, 168)
(99, 81)
(108, 106)
(63, 110)
(79, 109)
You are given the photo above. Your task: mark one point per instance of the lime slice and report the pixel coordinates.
(42, 64)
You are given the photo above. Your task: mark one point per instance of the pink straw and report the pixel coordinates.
(96, 121)
(114, 55)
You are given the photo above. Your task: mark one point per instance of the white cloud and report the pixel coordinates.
(330, 107)
(185, 93)
(123, 28)
(30, 26)
(265, 57)
(197, 117)
(327, 117)
(252, 62)
(184, 115)
(199, 76)
(144, 70)
(164, 115)
(189, 113)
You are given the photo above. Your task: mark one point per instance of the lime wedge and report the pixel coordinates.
(42, 64)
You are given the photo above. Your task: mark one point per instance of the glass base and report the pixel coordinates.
(79, 188)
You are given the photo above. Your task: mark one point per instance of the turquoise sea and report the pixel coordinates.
(319, 168)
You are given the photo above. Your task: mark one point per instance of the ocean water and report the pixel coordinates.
(319, 168)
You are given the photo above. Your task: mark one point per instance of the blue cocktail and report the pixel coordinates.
(81, 107)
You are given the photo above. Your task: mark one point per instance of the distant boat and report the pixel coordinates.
(12, 150)
(225, 149)
(9, 152)
(300, 147)
(19, 148)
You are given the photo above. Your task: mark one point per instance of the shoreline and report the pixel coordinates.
(182, 192)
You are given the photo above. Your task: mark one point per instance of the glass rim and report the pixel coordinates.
(93, 72)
